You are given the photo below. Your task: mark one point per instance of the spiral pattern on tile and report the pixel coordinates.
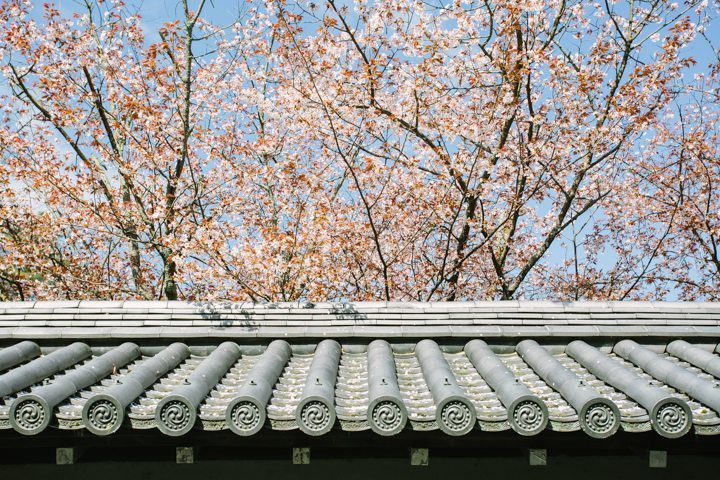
(246, 416)
(456, 416)
(600, 418)
(175, 415)
(102, 414)
(528, 416)
(315, 415)
(30, 415)
(671, 418)
(387, 416)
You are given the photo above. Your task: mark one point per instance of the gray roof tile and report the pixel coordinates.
(352, 375)
(618, 318)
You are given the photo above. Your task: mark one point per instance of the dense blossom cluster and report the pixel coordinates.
(392, 149)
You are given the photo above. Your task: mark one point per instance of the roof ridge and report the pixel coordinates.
(500, 305)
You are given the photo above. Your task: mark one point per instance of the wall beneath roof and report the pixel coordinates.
(583, 467)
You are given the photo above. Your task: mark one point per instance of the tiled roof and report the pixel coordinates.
(623, 366)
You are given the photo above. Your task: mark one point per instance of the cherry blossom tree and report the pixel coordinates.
(506, 124)
(677, 184)
(358, 150)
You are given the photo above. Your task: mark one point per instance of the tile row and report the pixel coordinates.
(378, 387)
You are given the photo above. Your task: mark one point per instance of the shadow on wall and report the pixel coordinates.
(232, 314)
